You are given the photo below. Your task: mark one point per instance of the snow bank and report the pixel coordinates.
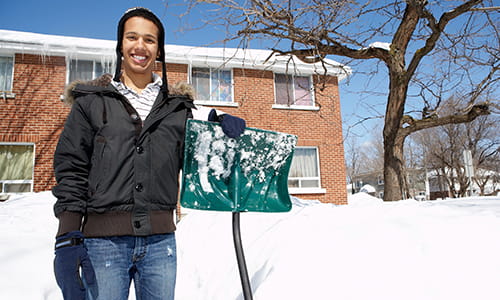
(27, 231)
(361, 199)
(367, 250)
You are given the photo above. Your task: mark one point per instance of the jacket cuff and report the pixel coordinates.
(69, 221)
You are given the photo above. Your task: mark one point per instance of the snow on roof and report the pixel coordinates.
(368, 189)
(86, 48)
(45, 44)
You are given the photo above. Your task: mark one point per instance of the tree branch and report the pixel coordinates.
(437, 29)
(410, 125)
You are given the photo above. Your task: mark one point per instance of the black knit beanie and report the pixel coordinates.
(148, 15)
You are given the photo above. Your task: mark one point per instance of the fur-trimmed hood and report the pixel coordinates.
(179, 89)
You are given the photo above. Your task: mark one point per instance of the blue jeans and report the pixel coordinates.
(150, 261)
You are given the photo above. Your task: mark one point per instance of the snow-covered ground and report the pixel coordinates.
(447, 250)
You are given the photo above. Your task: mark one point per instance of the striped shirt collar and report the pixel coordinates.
(156, 84)
(144, 101)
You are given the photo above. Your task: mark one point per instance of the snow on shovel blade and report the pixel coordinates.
(249, 173)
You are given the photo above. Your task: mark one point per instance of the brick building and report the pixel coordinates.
(271, 92)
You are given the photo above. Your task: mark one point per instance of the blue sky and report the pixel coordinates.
(92, 18)
(98, 19)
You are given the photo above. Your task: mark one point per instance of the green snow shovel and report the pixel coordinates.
(249, 173)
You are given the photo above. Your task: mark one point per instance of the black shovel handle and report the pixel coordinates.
(240, 256)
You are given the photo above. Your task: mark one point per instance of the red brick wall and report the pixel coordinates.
(175, 72)
(254, 92)
(37, 115)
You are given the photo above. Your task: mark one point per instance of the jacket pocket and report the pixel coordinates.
(97, 168)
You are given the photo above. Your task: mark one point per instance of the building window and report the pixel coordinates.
(6, 71)
(304, 171)
(87, 69)
(214, 85)
(359, 184)
(16, 174)
(293, 90)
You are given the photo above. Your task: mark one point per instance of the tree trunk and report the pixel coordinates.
(394, 183)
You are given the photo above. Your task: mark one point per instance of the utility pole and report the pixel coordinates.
(469, 168)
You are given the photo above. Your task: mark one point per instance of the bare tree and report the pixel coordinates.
(483, 139)
(353, 159)
(362, 158)
(443, 149)
(445, 157)
(374, 151)
(445, 36)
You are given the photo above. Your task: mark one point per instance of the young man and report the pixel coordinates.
(116, 165)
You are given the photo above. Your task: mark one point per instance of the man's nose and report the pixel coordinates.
(141, 43)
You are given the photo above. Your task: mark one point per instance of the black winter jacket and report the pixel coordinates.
(116, 172)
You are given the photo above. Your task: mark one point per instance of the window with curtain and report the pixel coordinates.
(16, 173)
(212, 84)
(6, 69)
(87, 69)
(293, 90)
(304, 171)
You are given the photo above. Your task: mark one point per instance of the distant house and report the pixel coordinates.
(373, 184)
(484, 182)
(269, 91)
(369, 182)
(428, 186)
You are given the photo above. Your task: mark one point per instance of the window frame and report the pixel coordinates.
(308, 190)
(8, 94)
(232, 103)
(31, 181)
(94, 63)
(294, 106)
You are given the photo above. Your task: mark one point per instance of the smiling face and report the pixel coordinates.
(139, 47)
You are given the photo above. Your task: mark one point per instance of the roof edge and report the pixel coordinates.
(46, 44)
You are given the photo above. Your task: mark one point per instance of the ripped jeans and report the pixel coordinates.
(151, 262)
